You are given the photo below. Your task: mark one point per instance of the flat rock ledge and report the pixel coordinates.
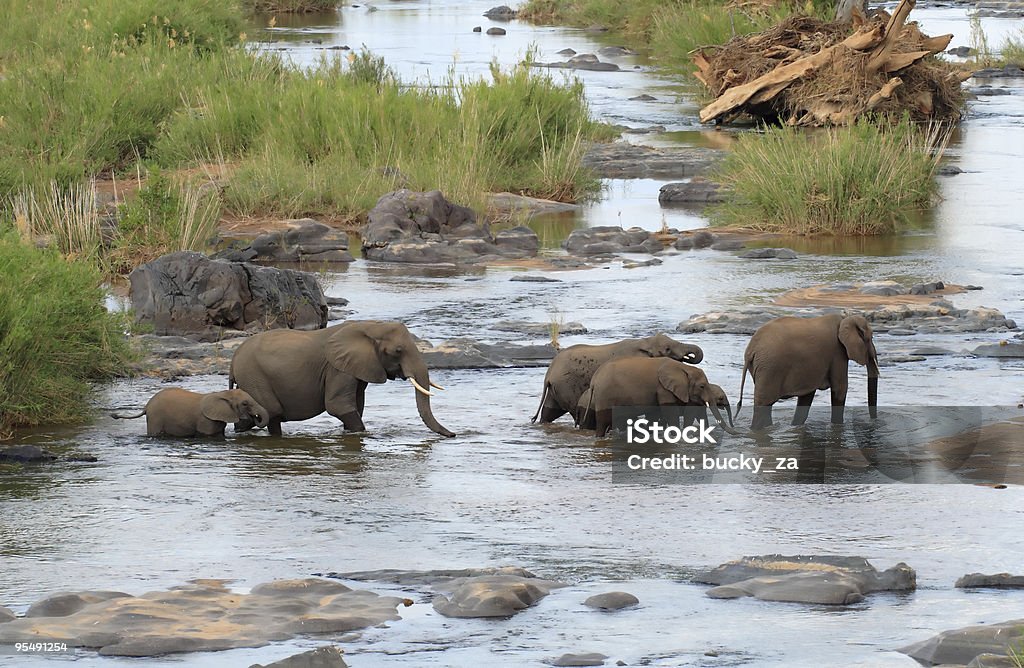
(321, 657)
(425, 228)
(825, 580)
(612, 600)
(965, 645)
(302, 240)
(582, 61)
(622, 160)
(202, 616)
(994, 581)
(578, 659)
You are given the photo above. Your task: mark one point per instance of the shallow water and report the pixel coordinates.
(155, 513)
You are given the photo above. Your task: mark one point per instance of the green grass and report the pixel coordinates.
(855, 180)
(291, 6)
(1013, 48)
(671, 29)
(56, 337)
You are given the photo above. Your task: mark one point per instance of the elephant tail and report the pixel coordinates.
(543, 398)
(743, 380)
(121, 416)
(586, 412)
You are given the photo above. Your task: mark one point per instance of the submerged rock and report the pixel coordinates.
(539, 328)
(188, 294)
(694, 191)
(584, 659)
(469, 354)
(321, 657)
(1001, 349)
(202, 616)
(963, 645)
(608, 239)
(492, 595)
(501, 13)
(495, 31)
(582, 61)
(26, 454)
(769, 253)
(612, 600)
(805, 579)
(996, 581)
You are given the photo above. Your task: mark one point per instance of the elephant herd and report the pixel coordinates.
(288, 375)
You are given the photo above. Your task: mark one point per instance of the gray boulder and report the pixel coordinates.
(612, 600)
(26, 454)
(424, 227)
(492, 596)
(769, 253)
(188, 294)
(605, 240)
(304, 240)
(584, 659)
(321, 657)
(495, 31)
(883, 288)
(995, 581)
(961, 646)
(501, 13)
(805, 579)
(695, 191)
(1001, 349)
(66, 604)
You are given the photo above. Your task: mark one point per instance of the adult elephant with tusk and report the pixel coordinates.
(297, 375)
(795, 357)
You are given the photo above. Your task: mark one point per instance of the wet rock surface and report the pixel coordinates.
(491, 595)
(26, 454)
(322, 657)
(994, 581)
(470, 354)
(539, 328)
(1001, 349)
(612, 600)
(696, 190)
(303, 240)
(963, 645)
(1007, 72)
(581, 659)
(582, 61)
(824, 580)
(201, 616)
(609, 240)
(501, 13)
(188, 294)
(769, 254)
(512, 203)
(632, 161)
(424, 227)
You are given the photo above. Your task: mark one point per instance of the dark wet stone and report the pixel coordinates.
(65, 604)
(501, 13)
(901, 332)
(973, 287)
(321, 657)
(567, 52)
(643, 98)
(767, 253)
(1009, 71)
(995, 581)
(26, 454)
(427, 578)
(684, 243)
(703, 239)
(694, 191)
(336, 301)
(477, 29)
(625, 160)
(948, 170)
(304, 240)
(492, 596)
(961, 51)
(341, 47)
(927, 288)
(827, 580)
(883, 288)
(727, 245)
(188, 294)
(495, 31)
(989, 91)
(1001, 349)
(633, 264)
(613, 600)
(890, 360)
(519, 239)
(586, 61)
(963, 645)
(609, 240)
(584, 659)
(533, 278)
(616, 51)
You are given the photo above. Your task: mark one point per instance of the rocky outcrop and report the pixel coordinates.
(417, 227)
(961, 646)
(202, 616)
(621, 160)
(1001, 349)
(805, 579)
(501, 13)
(491, 595)
(469, 354)
(612, 600)
(188, 294)
(303, 240)
(583, 61)
(579, 659)
(609, 240)
(769, 254)
(321, 657)
(694, 191)
(995, 581)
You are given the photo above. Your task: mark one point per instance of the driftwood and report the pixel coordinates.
(808, 72)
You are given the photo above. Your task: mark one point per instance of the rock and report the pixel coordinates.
(533, 278)
(610, 239)
(927, 288)
(491, 596)
(26, 454)
(469, 354)
(634, 161)
(727, 245)
(6, 615)
(205, 616)
(948, 170)
(703, 239)
(643, 98)
(1001, 349)
(583, 61)
(585, 659)
(567, 52)
(613, 600)
(766, 253)
(495, 31)
(501, 13)
(616, 51)
(188, 294)
(477, 29)
(883, 288)
(539, 328)
(901, 332)
(66, 604)
(960, 646)
(513, 203)
(432, 578)
(961, 51)
(1009, 71)
(304, 240)
(696, 190)
(683, 243)
(417, 227)
(321, 657)
(989, 91)
(824, 580)
(335, 301)
(997, 581)
(633, 264)
(172, 356)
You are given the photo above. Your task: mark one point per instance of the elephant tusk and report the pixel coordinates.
(436, 386)
(420, 387)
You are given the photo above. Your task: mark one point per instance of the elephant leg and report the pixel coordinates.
(274, 426)
(838, 383)
(353, 421)
(361, 397)
(603, 422)
(342, 400)
(803, 407)
(762, 417)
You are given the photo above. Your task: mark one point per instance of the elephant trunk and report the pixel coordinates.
(693, 354)
(418, 373)
(721, 423)
(873, 383)
(262, 418)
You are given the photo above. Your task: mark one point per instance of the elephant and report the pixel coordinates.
(647, 381)
(298, 375)
(572, 369)
(586, 419)
(794, 357)
(178, 412)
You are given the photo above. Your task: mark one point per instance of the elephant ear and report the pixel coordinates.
(217, 407)
(855, 337)
(350, 350)
(673, 378)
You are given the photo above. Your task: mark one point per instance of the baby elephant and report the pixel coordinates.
(178, 412)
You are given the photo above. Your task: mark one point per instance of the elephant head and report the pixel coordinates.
(375, 352)
(662, 345)
(690, 386)
(234, 406)
(721, 400)
(856, 337)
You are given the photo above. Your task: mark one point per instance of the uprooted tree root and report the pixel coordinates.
(805, 71)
